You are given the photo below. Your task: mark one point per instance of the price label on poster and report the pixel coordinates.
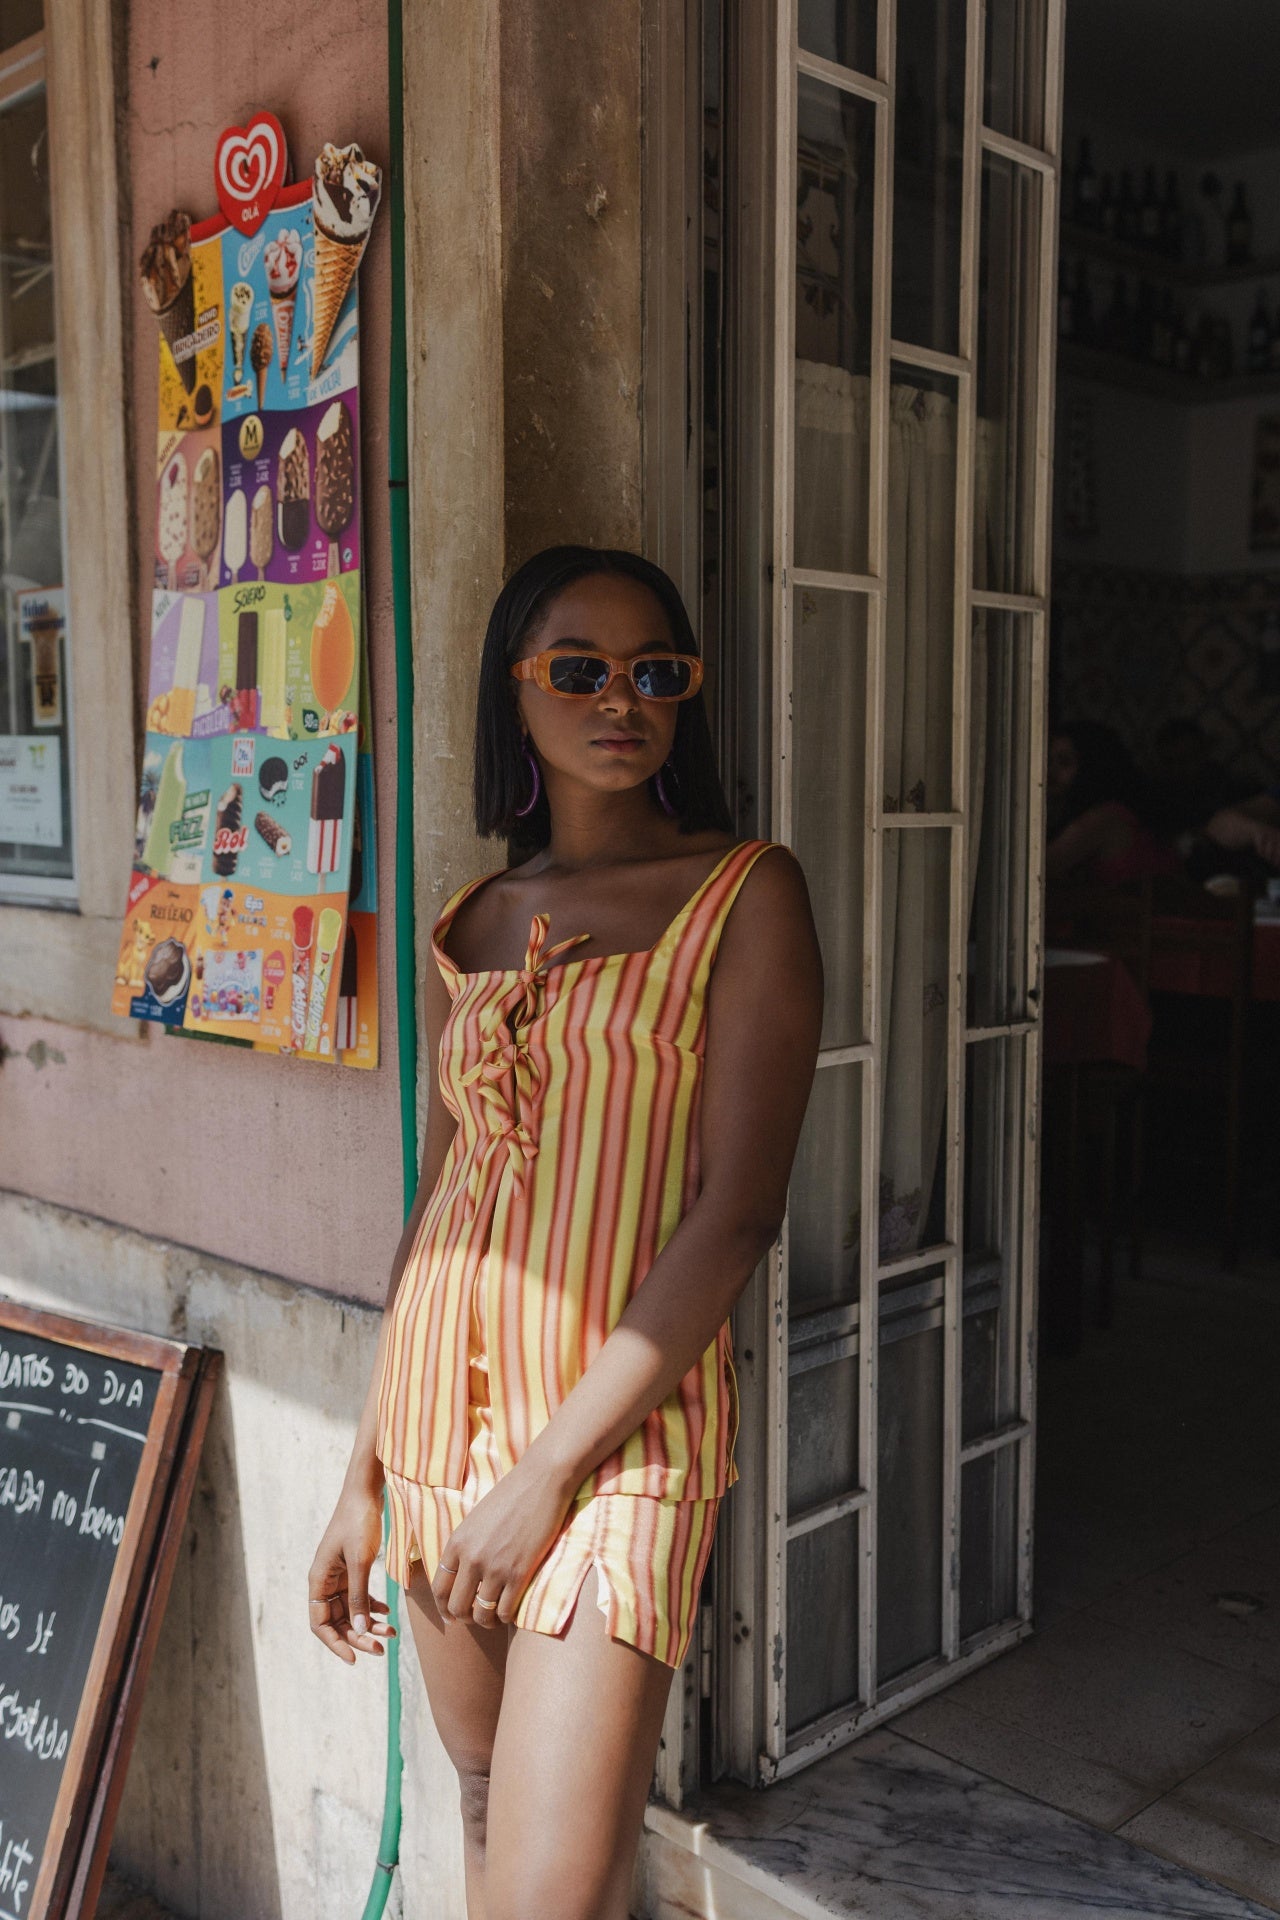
(250, 911)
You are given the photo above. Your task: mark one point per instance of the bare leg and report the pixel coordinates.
(462, 1665)
(572, 1762)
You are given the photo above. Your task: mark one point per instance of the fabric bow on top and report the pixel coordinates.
(507, 1076)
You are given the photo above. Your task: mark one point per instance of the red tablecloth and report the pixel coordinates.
(1210, 973)
(1093, 1011)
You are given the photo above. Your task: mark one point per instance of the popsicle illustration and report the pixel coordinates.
(234, 534)
(230, 833)
(244, 702)
(333, 651)
(261, 538)
(170, 796)
(328, 934)
(171, 537)
(186, 666)
(274, 710)
(335, 477)
(304, 921)
(293, 490)
(344, 1034)
(328, 798)
(206, 512)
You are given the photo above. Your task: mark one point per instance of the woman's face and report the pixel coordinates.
(1064, 765)
(607, 741)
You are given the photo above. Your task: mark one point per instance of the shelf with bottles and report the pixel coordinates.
(1203, 237)
(1142, 336)
(1113, 370)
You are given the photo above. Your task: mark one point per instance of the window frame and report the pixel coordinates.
(55, 962)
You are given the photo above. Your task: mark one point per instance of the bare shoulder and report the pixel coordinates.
(771, 920)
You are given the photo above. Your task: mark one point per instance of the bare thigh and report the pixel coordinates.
(463, 1667)
(572, 1763)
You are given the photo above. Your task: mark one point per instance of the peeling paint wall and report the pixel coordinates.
(571, 273)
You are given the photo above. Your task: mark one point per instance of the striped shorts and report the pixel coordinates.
(650, 1554)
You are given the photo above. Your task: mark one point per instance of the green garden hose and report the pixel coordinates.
(406, 964)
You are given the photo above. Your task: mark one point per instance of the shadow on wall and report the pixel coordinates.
(196, 1821)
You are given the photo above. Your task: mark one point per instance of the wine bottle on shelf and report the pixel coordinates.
(1107, 208)
(1066, 303)
(1239, 229)
(1172, 228)
(1085, 200)
(1116, 323)
(1258, 350)
(1143, 344)
(1149, 213)
(1127, 213)
(1183, 346)
(1082, 306)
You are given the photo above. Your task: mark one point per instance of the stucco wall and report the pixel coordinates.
(287, 1167)
(256, 1785)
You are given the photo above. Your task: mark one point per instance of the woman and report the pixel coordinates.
(1095, 810)
(627, 1027)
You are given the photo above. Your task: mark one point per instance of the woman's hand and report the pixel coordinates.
(495, 1551)
(338, 1598)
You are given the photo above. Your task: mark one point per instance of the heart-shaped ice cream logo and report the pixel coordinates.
(250, 169)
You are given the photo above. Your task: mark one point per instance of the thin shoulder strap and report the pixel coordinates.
(712, 905)
(455, 900)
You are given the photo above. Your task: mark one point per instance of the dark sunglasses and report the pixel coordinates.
(576, 676)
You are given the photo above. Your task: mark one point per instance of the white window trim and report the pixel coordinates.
(62, 964)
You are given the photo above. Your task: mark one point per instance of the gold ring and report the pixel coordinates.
(484, 1603)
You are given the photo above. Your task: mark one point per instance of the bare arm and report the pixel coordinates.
(338, 1588)
(764, 1018)
(1254, 824)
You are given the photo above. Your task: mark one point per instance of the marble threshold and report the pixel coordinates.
(885, 1829)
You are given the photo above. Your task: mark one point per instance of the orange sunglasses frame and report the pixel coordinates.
(537, 668)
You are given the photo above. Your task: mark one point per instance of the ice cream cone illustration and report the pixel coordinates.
(282, 259)
(170, 294)
(239, 314)
(345, 192)
(261, 350)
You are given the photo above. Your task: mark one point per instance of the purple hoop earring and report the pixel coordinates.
(663, 801)
(532, 801)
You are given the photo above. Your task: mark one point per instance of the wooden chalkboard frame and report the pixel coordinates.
(74, 1857)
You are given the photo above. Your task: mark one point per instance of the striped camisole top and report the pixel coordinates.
(576, 1087)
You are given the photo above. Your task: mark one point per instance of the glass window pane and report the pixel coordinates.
(35, 755)
(920, 609)
(999, 799)
(822, 1621)
(19, 19)
(822, 1429)
(834, 221)
(909, 1492)
(988, 1541)
(829, 808)
(927, 172)
(824, 1203)
(840, 30)
(1015, 43)
(914, 972)
(991, 1325)
(1008, 328)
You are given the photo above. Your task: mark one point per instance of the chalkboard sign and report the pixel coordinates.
(100, 1430)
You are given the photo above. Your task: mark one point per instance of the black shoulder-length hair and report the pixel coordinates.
(501, 766)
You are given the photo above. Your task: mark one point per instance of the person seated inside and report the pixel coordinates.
(1251, 827)
(1098, 822)
(1187, 786)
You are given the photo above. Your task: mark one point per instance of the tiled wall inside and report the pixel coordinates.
(1134, 649)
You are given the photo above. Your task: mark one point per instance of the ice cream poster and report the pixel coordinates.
(250, 911)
